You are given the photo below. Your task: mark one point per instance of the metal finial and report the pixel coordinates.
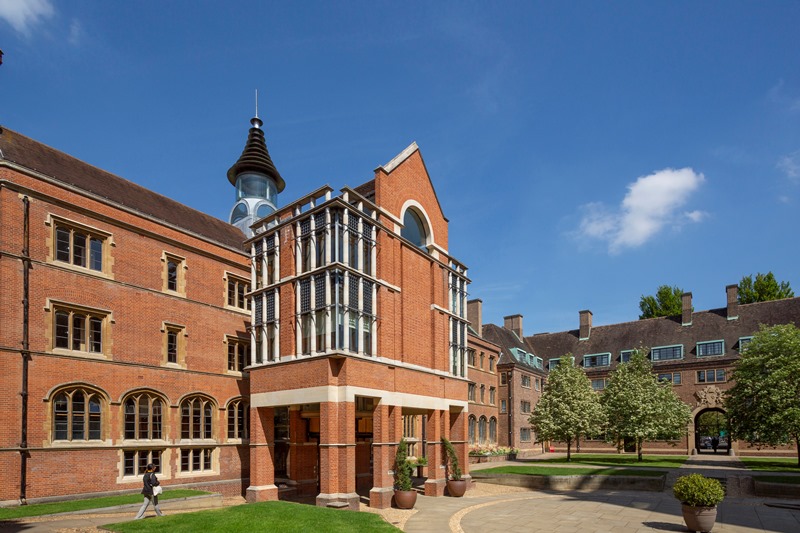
(256, 103)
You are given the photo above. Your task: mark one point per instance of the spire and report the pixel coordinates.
(255, 157)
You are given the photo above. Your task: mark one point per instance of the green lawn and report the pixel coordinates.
(266, 516)
(792, 480)
(38, 509)
(771, 464)
(600, 459)
(558, 471)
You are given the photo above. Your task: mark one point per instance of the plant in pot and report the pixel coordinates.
(699, 496)
(404, 494)
(455, 485)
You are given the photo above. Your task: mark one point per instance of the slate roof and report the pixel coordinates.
(367, 190)
(62, 167)
(509, 343)
(708, 325)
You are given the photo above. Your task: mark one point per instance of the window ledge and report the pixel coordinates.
(82, 270)
(80, 443)
(78, 353)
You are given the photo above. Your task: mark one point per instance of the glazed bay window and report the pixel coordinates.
(458, 347)
(238, 353)
(238, 420)
(525, 434)
(78, 329)
(135, 461)
(711, 376)
(77, 415)
(526, 381)
(237, 288)
(705, 349)
(598, 384)
(666, 353)
(196, 459)
(79, 247)
(598, 359)
(525, 406)
(144, 415)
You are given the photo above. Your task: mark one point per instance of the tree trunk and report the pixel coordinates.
(797, 445)
(569, 450)
(639, 448)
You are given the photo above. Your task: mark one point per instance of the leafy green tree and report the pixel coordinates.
(638, 406)
(764, 288)
(666, 302)
(568, 408)
(763, 405)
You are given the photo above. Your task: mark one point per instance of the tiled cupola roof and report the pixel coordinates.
(255, 157)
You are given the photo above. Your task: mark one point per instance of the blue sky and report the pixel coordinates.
(584, 152)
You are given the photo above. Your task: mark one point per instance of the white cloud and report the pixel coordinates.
(790, 165)
(781, 96)
(24, 14)
(652, 202)
(75, 32)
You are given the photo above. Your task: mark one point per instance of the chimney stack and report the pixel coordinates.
(732, 292)
(586, 324)
(686, 309)
(514, 323)
(475, 315)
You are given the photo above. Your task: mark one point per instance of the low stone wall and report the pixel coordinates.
(766, 489)
(652, 484)
(476, 459)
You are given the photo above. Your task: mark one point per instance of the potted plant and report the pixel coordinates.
(404, 494)
(699, 496)
(455, 485)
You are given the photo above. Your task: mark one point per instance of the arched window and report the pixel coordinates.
(414, 229)
(143, 416)
(482, 430)
(239, 212)
(493, 430)
(196, 418)
(77, 415)
(471, 429)
(238, 420)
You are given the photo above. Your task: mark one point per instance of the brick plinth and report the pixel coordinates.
(435, 487)
(336, 500)
(266, 493)
(381, 498)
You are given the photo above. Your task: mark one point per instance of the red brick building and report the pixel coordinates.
(131, 334)
(359, 339)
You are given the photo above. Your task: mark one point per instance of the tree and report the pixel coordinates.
(638, 406)
(763, 405)
(568, 408)
(763, 289)
(666, 302)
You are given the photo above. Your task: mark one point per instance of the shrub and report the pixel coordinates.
(698, 491)
(402, 469)
(451, 460)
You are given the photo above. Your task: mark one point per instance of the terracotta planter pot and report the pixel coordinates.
(456, 488)
(699, 518)
(405, 499)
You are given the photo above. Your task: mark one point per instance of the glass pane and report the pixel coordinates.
(144, 419)
(61, 416)
(130, 418)
(413, 228)
(94, 419)
(96, 254)
(207, 422)
(186, 422)
(155, 422)
(78, 415)
(231, 422)
(79, 249)
(129, 460)
(62, 244)
(95, 335)
(185, 458)
(78, 332)
(172, 275)
(62, 329)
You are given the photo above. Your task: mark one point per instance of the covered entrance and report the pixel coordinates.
(711, 433)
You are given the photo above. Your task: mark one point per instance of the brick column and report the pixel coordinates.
(435, 484)
(262, 463)
(387, 425)
(337, 455)
(458, 437)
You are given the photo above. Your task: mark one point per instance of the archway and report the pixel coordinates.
(711, 425)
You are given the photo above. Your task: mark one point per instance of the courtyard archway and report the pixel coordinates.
(710, 429)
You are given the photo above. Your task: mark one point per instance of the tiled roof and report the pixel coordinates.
(59, 166)
(709, 325)
(367, 190)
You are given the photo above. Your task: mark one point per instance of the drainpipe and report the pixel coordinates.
(25, 352)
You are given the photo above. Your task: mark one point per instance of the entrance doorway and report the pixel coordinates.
(711, 434)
